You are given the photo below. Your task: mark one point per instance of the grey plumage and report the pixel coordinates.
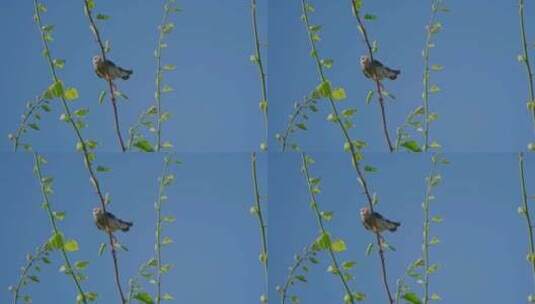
(375, 222)
(106, 69)
(108, 222)
(376, 70)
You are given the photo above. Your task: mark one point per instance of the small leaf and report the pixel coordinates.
(370, 17)
(71, 246)
(144, 145)
(102, 17)
(71, 94)
(411, 145)
(437, 67)
(101, 97)
(338, 246)
(169, 67)
(412, 298)
(338, 94)
(81, 265)
(101, 248)
(144, 298)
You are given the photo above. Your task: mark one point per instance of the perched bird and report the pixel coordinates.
(376, 70)
(375, 222)
(108, 222)
(108, 70)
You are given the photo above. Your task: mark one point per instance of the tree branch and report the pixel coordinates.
(258, 62)
(98, 39)
(377, 81)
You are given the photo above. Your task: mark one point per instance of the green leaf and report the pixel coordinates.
(369, 96)
(167, 297)
(338, 246)
(167, 241)
(71, 246)
(55, 241)
(71, 94)
(144, 145)
(81, 265)
(370, 17)
(81, 112)
(101, 97)
(101, 248)
(369, 249)
(91, 4)
(437, 67)
(434, 89)
(326, 215)
(169, 219)
(58, 63)
(339, 94)
(58, 215)
(143, 297)
(55, 90)
(169, 67)
(348, 265)
(34, 126)
(412, 146)
(168, 27)
(358, 4)
(327, 63)
(411, 298)
(437, 219)
(103, 169)
(370, 169)
(167, 89)
(102, 17)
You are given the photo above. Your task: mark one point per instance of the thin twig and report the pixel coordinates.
(87, 155)
(323, 230)
(31, 260)
(98, 39)
(258, 61)
(377, 81)
(427, 50)
(299, 260)
(299, 108)
(48, 208)
(158, 206)
(526, 56)
(261, 223)
(525, 211)
(23, 124)
(426, 234)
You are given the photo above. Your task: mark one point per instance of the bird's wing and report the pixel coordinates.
(377, 64)
(109, 63)
(377, 216)
(110, 216)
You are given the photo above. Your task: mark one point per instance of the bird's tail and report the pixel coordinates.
(125, 226)
(125, 74)
(392, 74)
(392, 226)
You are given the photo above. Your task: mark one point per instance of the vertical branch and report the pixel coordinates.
(525, 59)
(165, 179)
(427, 229)
(257, 59)
(257, 210)
(83, 145)
(525, 212)
(164, 28)
(349, 297)
(88, 6)
(380, 94)
(44, 192)
(356, 154)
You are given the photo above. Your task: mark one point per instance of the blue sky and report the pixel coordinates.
(216, 240)
(484, 88)
(482, 255)
(215, 103)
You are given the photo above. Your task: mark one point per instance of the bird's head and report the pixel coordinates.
(364, 211)
(364, 59)
(97, 59)
(97, 211)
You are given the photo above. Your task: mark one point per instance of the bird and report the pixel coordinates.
(375, 222)
(108, 70)
(376, 70)
(108, 222)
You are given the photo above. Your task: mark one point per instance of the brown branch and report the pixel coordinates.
(377, 81)
(94, 29)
